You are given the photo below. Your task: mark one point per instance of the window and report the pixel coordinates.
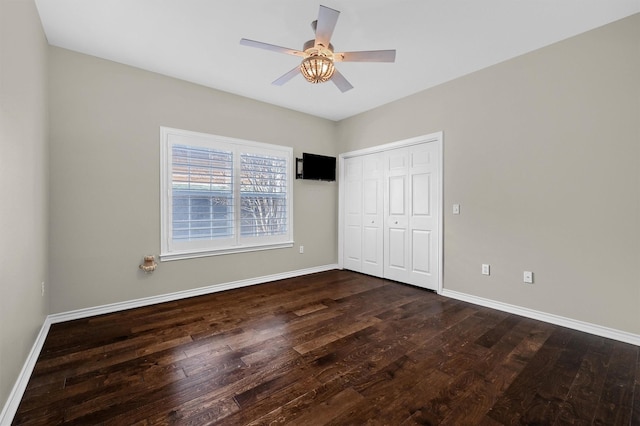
(223, 195)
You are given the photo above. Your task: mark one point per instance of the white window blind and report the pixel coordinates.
(223, 195)
(202, 193)
(263, 192)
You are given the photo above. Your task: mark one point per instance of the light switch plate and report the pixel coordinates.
(456, 209)
(485, 269)
(528, 277)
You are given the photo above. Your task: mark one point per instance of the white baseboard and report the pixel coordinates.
(598, 330)
(11, 406)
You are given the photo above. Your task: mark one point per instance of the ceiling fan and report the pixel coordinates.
(317, 65)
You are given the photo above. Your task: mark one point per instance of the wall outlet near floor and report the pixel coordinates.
(301, 249)
(485, 269)
(528, 277)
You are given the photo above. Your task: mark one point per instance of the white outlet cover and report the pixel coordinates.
(486, 269)
(528, 277)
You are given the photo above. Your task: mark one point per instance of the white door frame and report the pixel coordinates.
(436, 138)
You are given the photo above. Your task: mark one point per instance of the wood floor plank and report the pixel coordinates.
(331, 408)
(419, 374)
(333, 348)
(519, 398)
(495, 371)
(291, 411)
(616, 401)
(551, 394)
(271, 402)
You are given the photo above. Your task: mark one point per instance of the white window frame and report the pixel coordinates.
(172, 250)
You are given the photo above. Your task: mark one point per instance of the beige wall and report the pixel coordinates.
(105, 180)
(542, 152)
(23, 186)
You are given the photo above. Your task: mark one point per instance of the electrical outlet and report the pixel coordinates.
(42, 288)
(301, 249)
(485, 269)
(528, 277)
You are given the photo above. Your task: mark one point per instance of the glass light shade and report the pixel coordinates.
(317, 68)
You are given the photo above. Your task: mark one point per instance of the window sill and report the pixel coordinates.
(166, 257)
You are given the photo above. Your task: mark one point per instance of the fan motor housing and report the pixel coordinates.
(310, 49)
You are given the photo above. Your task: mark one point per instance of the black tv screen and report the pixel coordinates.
(318, 167)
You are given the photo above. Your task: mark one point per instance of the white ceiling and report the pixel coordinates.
(436, 41)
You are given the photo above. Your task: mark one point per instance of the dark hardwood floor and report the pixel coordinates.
(334, 348)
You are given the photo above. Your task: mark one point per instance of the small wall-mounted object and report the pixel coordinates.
(316, 167)
(149, 264)
(486, 269)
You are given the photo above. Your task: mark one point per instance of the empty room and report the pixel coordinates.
(319, 213)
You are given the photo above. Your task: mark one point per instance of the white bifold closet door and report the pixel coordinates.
(352, 214)
(363, 243)
(391, 214)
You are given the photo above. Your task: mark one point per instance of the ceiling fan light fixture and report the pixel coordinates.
(317, 68)
(317, 65)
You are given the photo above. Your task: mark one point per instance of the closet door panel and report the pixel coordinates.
(353, 251)
(352, 258)
(396, 245)
(420, 232)
(423, 217)
(371, 248)
(420, 200)
(372, 218)
(397, 254)
(397, 185)
(420, 252)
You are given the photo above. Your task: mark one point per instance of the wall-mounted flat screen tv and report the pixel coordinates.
(316, 167)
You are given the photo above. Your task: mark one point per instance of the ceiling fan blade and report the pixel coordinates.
(341, 82)
(327, 19)
(288, 76)
(366, 56)
(271, 47)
